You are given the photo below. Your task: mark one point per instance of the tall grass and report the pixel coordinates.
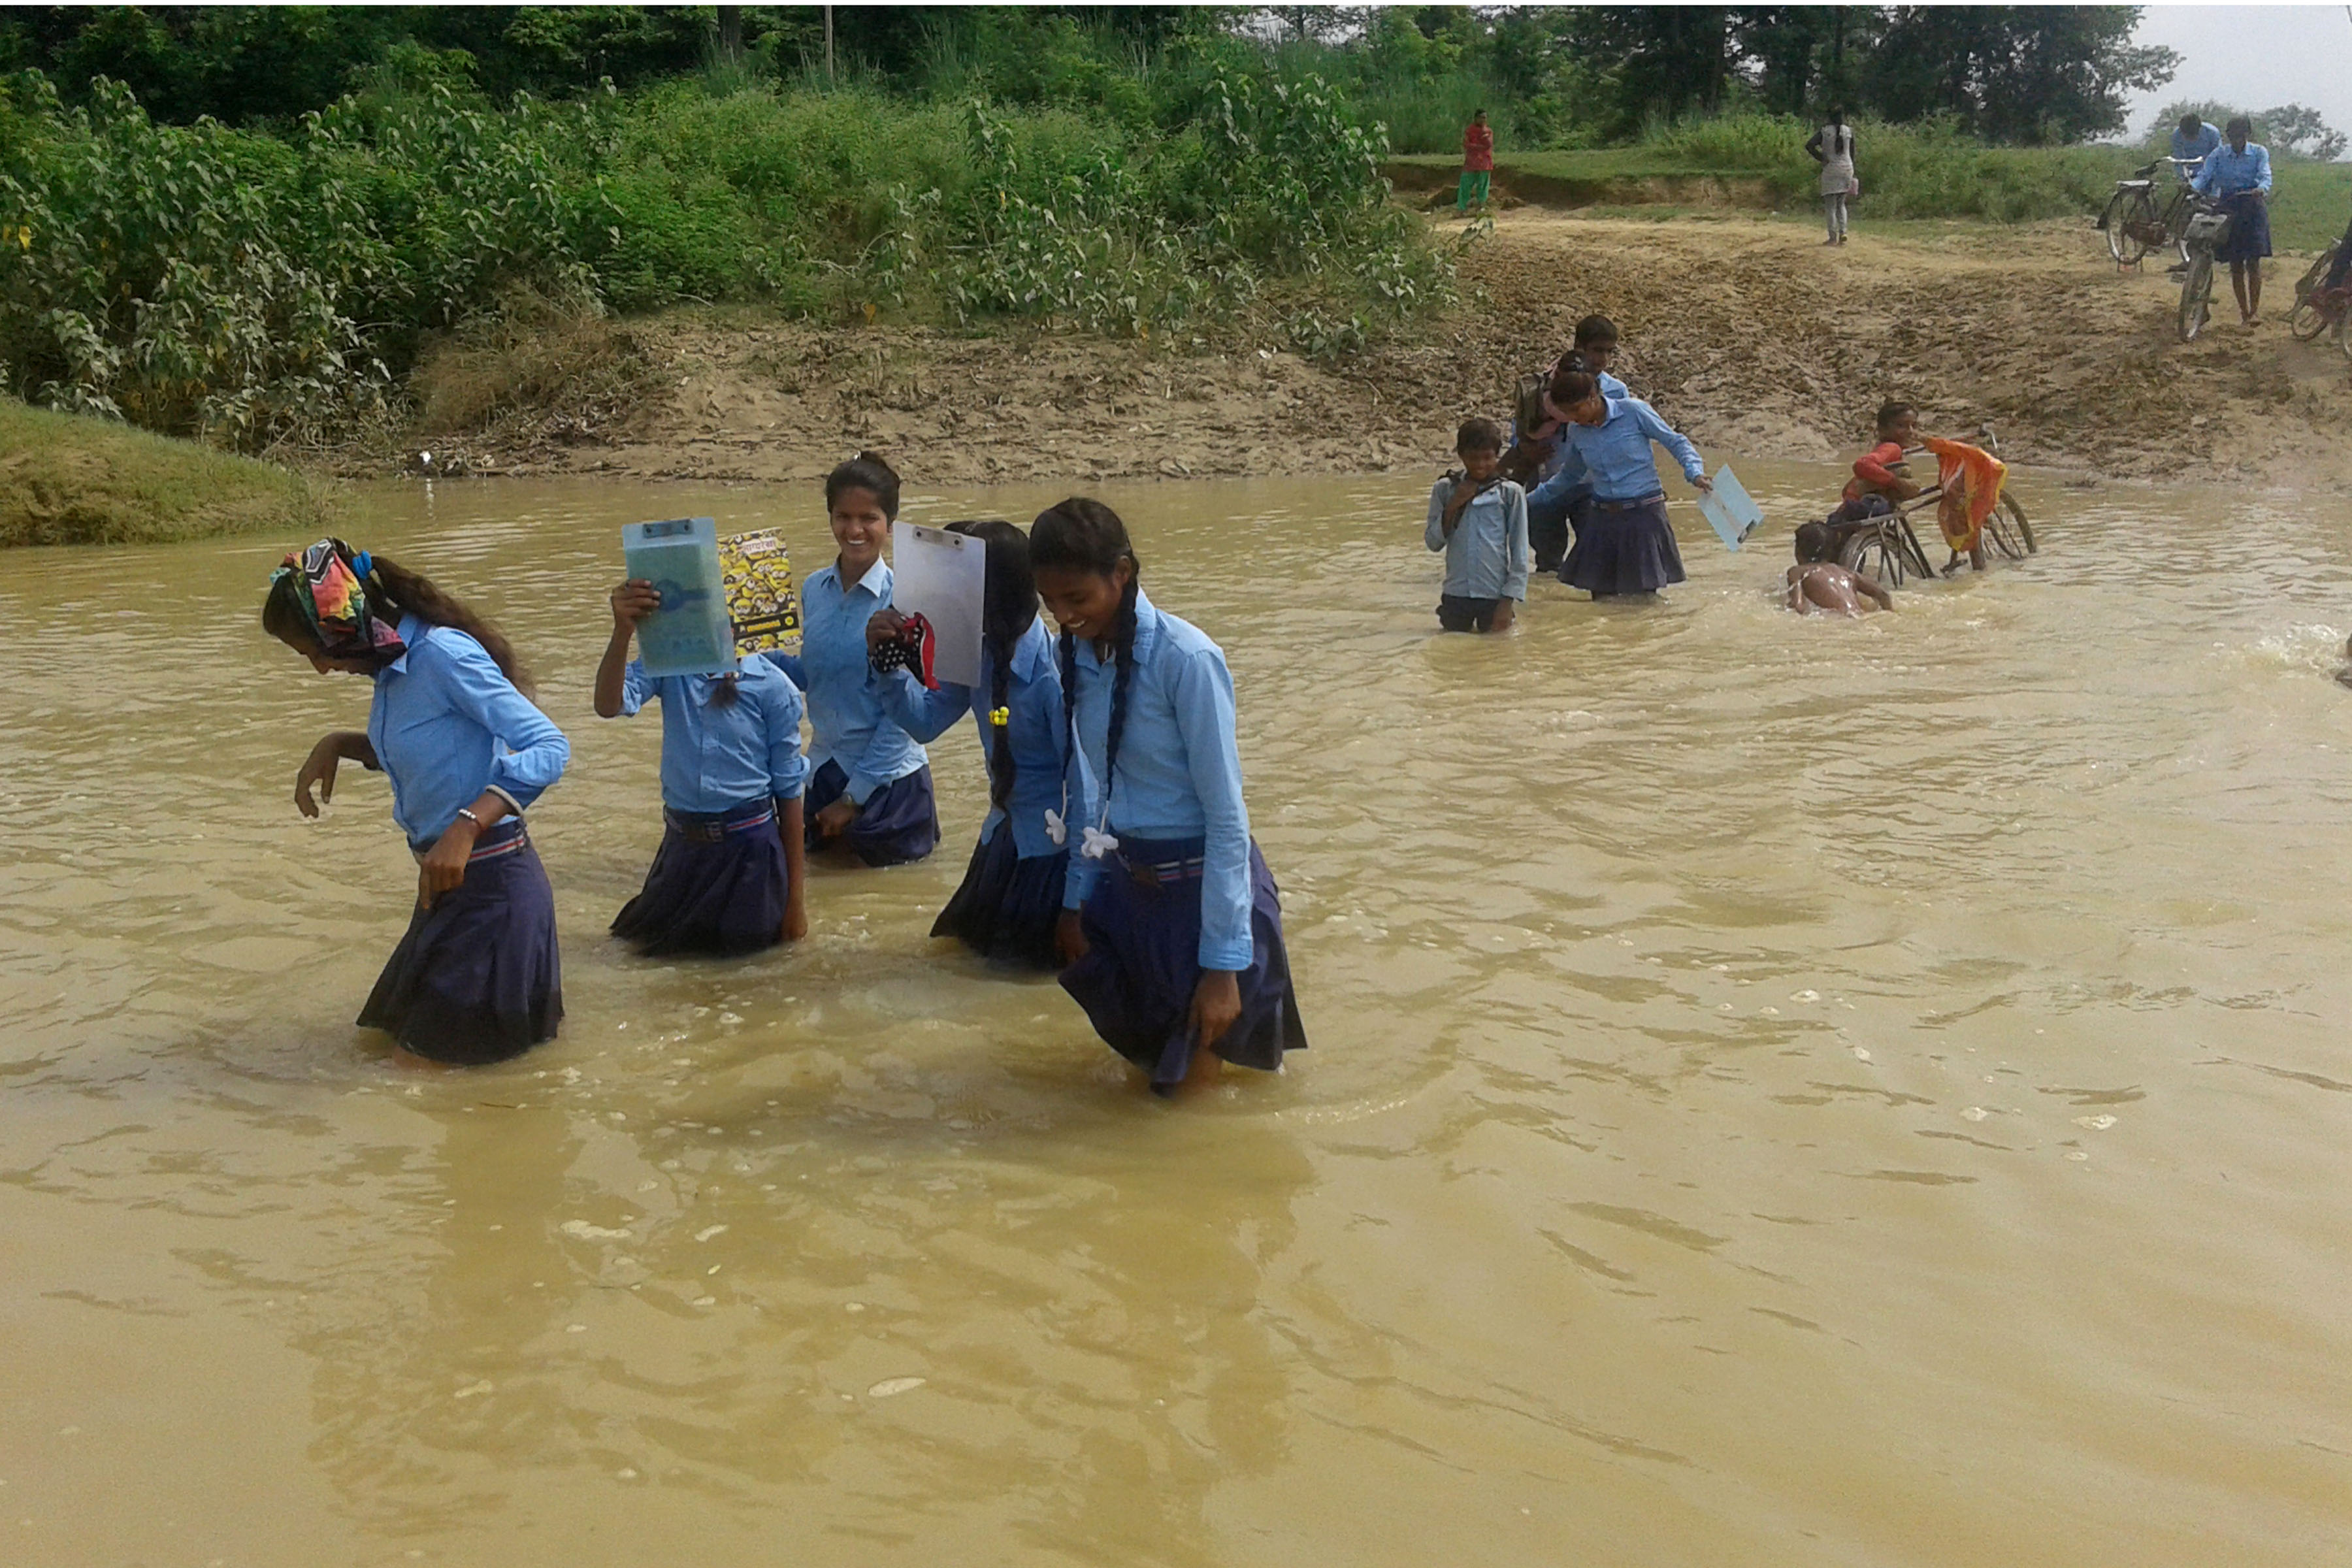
(252, 288)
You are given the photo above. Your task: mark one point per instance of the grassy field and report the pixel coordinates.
(77, 480)
(2309, 206)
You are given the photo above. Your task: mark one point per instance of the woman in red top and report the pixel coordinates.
(1477, 161)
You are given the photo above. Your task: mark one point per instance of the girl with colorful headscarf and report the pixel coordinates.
(477, 977)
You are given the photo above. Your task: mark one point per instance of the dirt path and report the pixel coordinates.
(1748, 334)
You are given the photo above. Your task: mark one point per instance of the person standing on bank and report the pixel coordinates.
(477, 977)
(1832, 148)
(2237, 176)
(1477, 162)
(727, 879)
(871, 788)
(1626, 546)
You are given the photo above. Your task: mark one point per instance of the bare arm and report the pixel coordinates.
(633, 601)
(1869, 588)
(318, 768)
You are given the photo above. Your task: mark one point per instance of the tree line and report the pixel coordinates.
(2028, 75)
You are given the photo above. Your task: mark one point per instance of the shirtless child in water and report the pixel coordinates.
(1819, 586)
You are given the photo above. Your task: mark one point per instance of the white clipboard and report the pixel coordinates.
(1730, 510)
(943, 577)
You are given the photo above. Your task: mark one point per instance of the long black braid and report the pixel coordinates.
(1000, 765)
(1124, 640)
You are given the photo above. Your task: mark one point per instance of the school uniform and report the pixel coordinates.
(1185, 888)
(1556, 509)
(1626, 545)
(2240, 182)
(856, 749)
(1020, 879)
(476, 978)
(1485, 555)
(719, 881)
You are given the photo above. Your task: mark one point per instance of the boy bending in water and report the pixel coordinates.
(1819, 586)
(1479, 520)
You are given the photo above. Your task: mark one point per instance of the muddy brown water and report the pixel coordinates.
(1782, 1092)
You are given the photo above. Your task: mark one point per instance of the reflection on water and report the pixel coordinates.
(1783, 1092)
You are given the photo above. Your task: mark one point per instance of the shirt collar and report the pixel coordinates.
(878, 587)
(1034, 654)
(1147, 625)
(411, 632)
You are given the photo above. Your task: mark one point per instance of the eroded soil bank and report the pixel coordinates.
(1747, 332)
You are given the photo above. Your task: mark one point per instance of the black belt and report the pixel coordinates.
(1628, 505)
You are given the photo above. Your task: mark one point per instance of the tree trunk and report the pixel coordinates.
(730, 34)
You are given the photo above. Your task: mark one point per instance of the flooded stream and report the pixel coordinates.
(1782, 1092)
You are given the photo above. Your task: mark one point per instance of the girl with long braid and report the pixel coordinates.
(1019, 880)
(1177, 953)
(476, 978)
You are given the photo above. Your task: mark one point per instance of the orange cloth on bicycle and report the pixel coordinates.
(1971, 478)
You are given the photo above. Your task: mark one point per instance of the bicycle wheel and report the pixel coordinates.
(2001, 537)
(2195, 290)
(2127, 211)
(1873, 555)
(2308, 320)
(2017, 515)
(1907, 541)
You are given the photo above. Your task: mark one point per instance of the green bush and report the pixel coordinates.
(252, 288)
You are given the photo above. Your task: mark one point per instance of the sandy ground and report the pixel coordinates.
(1749, 334)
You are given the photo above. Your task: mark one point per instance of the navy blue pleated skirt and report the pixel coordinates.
(899, 822)
(1007, 907)
(2250, 229)
(476, 978)
(718, 885)
(1623, 550)
(1143, 963)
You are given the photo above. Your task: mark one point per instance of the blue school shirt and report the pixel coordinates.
(1487, 558)
(1616, 452)
(448, 724)
(2200, 145)
(1180, 766)
(844, 706)
(1041, 751)
(2227, 172)
(1561, 455)
(713, 757)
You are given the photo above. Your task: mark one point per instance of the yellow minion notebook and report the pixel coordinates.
(757, 572)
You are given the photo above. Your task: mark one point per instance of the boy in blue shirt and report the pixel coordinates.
(2239, 177)
(1479, 520)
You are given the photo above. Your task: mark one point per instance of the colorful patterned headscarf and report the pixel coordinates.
(330, 589)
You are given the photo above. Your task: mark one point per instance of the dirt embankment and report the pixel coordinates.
(1750, 334)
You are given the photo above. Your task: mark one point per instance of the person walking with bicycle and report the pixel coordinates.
(2237, 176)
(2194, 140)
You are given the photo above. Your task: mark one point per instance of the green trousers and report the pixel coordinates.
(1474, 189)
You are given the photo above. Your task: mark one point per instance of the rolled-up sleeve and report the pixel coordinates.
(1672, 439)
(1515, 522)
(1202, 694)
(636, 687)
(788, 770)
(530, 751)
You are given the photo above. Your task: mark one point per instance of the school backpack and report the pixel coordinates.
(1527, 454)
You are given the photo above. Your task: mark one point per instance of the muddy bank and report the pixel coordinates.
(1750, 334)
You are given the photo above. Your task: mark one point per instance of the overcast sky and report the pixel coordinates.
(2257, 56)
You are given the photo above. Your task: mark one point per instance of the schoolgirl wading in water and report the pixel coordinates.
(727, 879)
(871, 791)
(1020, 878)
(1176, 952)
(477, 977)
